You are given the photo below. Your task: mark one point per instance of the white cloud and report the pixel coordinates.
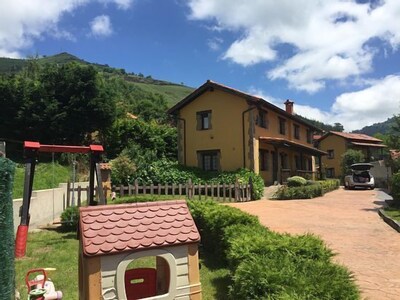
(215, 43)
(121, 4)
(331, 39)
(21, 22)
(101, 26)
(376, 103)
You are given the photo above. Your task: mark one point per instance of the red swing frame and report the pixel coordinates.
(31, 151)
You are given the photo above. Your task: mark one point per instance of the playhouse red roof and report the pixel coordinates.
(108, 229)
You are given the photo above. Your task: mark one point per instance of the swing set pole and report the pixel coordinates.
(31, 150)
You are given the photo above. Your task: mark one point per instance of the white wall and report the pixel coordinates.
(46, 205)
(381, 173)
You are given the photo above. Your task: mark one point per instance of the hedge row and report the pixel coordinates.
(311, 190)
(268, 265)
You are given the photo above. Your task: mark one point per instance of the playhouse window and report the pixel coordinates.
(147, 277)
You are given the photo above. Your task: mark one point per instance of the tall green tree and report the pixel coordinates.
(55, 104)
(350, 157)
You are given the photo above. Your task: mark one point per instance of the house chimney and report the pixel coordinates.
(289, 106)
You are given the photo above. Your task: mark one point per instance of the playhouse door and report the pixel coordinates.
(140, 283)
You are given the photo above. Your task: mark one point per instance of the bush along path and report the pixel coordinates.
(349, 223)
(268, 265)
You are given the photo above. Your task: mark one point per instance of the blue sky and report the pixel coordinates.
(338, 60)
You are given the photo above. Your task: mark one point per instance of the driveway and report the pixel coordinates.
(349, 224)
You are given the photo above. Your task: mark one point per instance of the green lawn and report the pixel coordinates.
(52, 249)
(393, 212)
(45, 177)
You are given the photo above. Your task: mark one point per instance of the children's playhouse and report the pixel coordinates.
(112, 237)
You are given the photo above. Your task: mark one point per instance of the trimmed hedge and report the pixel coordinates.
(269, 265)
(312, 190)
(296, 181)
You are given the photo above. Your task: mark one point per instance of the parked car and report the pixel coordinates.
(361, 177)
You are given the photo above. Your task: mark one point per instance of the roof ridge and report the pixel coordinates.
(132, 205)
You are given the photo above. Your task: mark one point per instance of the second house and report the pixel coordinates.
(223, 129)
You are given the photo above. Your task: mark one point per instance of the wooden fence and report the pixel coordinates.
(238, 192)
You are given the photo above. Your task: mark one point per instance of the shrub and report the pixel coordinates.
(396, 186)
(122, 169)
(296, 181)
(70, 219)
(281, 277)
(269, 265)
(311, 190)
(166, 171)
(329, 185)
(249, 240)
(212, 219)
(301, 192)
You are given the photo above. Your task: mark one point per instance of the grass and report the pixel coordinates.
(172, 93)
(393, 212)
(44, 177)
(53, 249)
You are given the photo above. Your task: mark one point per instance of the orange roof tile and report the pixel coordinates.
(356, 136)
(108, 229)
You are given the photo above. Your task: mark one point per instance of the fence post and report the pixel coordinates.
(189, 189)
(199, 190)
(68, 193)
(129, 189)
(230, 191)
(151, 188)
(79, 195)
(218, 190)
(159, 189)
(237, 190)
(250, 197)
(136, 191)
(224, 191)
(180, 189)
(121, 190)
(173, 189)
(212, 190)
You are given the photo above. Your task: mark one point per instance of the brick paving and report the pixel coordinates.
(349, 224)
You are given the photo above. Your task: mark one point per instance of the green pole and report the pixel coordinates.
(7, 274)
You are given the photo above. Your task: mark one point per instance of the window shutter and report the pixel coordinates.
(209, 120)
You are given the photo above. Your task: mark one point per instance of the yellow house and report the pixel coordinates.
(223, 129)
(336, 143)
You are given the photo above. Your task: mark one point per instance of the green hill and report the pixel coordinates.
(172, 92)
(383, 127)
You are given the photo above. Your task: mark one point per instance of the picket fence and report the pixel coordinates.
(238, 192)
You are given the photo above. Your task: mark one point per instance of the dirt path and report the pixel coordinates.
(350, 225)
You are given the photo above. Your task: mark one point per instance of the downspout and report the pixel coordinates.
(184, 138)
(244, 135)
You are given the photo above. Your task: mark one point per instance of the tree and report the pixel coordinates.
(142, 141)
(338, 127)
(55, 104)
(350, 157)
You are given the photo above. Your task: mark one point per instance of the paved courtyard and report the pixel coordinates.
(350, 225)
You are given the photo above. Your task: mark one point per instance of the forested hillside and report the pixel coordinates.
(64, 100)
(171, 92)
(383, 127)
